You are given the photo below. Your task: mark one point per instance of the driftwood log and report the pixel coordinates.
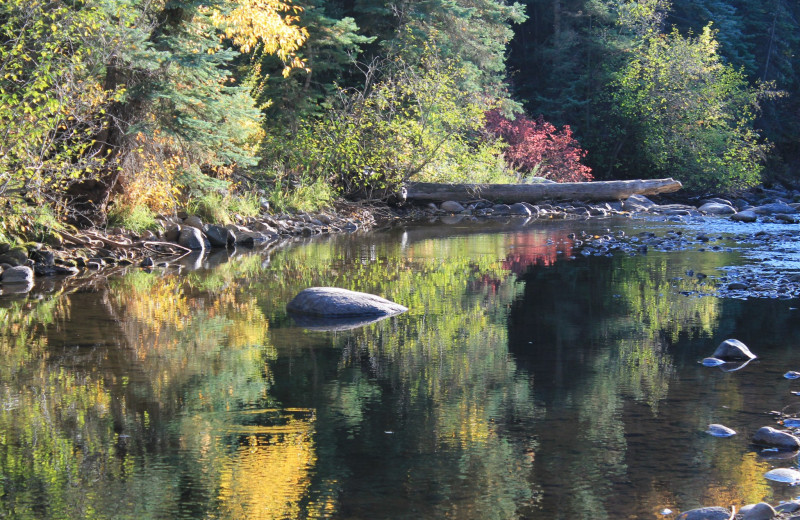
(511, 193)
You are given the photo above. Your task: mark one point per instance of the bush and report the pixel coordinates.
(537, 148)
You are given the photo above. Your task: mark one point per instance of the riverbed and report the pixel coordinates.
(527, 379)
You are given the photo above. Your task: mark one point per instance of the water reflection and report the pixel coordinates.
(521, 383)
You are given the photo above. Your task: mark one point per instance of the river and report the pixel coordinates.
(526, 381)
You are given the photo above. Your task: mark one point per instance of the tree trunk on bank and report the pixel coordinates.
(511, 193)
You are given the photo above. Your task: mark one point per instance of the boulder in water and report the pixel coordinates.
(718, 430)
(767, 436)
(732, 349)
(334, 302)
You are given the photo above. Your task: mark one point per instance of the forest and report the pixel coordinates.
(113, 112)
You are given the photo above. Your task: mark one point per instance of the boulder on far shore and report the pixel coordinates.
(336, 302)
(744, 216)
(451, 206)
(715, 208)
(193, 238)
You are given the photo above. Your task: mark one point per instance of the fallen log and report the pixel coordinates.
(511, 193)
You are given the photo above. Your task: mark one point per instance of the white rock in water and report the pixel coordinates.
(718, 430)
(336, 302)
(787, 475)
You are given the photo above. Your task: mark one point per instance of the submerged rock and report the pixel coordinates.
(706, 513)
(732, 349)
(767, 436)
(335, 302)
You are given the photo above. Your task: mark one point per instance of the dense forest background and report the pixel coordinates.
(112, 112)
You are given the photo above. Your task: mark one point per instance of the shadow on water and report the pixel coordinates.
(523, 382)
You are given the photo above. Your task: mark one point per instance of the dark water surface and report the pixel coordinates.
(524, 382)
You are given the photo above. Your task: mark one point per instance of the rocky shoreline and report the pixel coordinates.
(66, 254)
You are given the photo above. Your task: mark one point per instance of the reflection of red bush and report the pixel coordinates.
(534, 249)
(533, 142)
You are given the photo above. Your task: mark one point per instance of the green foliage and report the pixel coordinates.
(690, 115)
(303, 193)
(136, 218)
(406, 122)
(51, 95)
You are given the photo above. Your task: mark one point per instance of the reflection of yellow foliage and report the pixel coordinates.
(269, 476)
(464, 427)
(747, 483)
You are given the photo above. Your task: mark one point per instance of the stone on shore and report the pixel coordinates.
(732, 349)
(706, 513)
(638, 203)
(193, 238)
(336, 302)
(219, 236)
(775, 208)
(519, 209)
(768, 436)
(20, 274)
(744, 216)
(451, 206)
(15, 256)
(715, 208)
(193, 221)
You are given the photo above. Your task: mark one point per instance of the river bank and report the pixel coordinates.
(66, 254)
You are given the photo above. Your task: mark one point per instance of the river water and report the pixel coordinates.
(526, 381)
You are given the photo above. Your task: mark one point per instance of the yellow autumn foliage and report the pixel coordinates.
(270, 24)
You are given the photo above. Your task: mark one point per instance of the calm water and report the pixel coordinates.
(523, 383)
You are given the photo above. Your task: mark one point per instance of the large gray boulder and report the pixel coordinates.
(732, 349)
(768, 436)
(20, 274)
(706, 513)
(340, 303)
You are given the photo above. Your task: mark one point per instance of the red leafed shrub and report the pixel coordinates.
(535, 142)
